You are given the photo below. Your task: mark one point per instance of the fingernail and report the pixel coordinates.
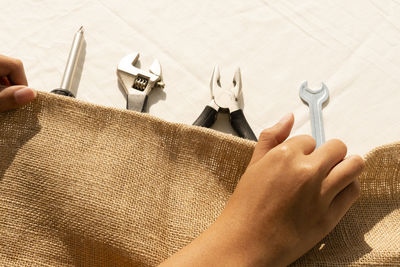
(24, 95)
(286, 118)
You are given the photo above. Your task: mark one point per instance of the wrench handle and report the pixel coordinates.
(317, 124)
(241, 126)
(136, 102)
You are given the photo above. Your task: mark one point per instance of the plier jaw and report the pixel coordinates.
(226, 100)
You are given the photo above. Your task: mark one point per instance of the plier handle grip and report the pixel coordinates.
(226, 100)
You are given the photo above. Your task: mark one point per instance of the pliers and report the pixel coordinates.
(226, 100)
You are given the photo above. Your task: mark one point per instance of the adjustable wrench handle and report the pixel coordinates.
(136, 101)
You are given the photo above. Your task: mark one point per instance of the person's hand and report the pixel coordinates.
(289, 198)
(13, 84)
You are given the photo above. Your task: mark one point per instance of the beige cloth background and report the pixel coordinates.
(87, 185)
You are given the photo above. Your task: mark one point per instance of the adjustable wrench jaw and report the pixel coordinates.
(138, 83)
(225, 99)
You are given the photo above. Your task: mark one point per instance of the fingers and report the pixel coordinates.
(13, 69)
(329, 154)
(272, 137)
(4, 82)
(303, 143)
(15, 96)
(341, 176)
(343, 201)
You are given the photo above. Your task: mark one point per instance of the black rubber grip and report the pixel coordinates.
(62, 92)
(207, 117)
(241, 126)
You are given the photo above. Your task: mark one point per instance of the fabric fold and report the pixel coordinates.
(82, 184)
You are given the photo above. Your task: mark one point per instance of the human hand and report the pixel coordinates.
(13, 84)
(289, 198)
(291, 195)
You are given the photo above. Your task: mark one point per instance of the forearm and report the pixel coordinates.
(223, 244)
(211, 248)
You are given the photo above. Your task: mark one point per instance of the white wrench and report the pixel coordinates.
(315, 100)
(136, 82)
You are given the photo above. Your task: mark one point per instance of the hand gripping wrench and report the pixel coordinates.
(315, 100)
(136, 82)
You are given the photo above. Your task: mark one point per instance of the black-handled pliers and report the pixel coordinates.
(226, 100)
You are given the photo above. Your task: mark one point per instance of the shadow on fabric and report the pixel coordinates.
(14, 137)
(89, 252)
(363, 234)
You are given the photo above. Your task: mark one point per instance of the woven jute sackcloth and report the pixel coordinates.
(85, 185)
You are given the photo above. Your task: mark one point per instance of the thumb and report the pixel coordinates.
(271, 137)
(15, 96)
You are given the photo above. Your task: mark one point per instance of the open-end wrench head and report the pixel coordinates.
(237, 83)
(306, 93)
(215, 83)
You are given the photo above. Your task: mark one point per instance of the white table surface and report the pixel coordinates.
(352, 46)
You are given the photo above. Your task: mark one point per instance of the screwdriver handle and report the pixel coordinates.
(62, 92)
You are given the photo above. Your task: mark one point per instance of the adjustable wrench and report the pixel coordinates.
(136, 82)
(315, 100)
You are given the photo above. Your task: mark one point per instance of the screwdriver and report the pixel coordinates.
(66, 82)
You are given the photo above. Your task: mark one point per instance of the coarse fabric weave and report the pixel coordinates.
(85, 185)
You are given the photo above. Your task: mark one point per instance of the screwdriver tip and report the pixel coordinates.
(80, 29)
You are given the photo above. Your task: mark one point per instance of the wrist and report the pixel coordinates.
(233, 244)
(241, 244)
(217, 246)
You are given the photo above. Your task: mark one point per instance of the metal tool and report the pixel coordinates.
(226, 100)
(136, 82)
(66, 82)
(315, 100)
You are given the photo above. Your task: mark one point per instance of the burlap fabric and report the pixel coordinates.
(87, 185)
